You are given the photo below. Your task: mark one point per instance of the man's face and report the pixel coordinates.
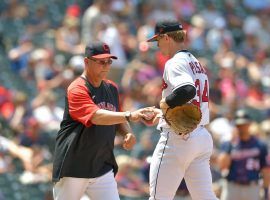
(162, 43)
(99, 68)
(243, 128)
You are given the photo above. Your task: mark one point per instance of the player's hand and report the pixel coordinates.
(146, 113)
(152, 118)
(129, 141)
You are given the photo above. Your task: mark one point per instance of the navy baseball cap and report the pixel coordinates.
(165, 27)
(98, 50)
(241, 117)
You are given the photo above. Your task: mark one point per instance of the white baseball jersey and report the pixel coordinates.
(177, 156)
(184, 69)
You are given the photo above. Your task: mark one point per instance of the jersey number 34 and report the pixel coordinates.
(201, 92)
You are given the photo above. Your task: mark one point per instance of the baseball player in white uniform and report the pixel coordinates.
(179, 156)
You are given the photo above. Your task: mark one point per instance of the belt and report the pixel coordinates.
(161, 129)
(245, 183)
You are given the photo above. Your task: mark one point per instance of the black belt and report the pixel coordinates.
(161, 129)
(246, 183)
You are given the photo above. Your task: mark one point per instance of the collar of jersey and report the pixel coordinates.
(184, 50)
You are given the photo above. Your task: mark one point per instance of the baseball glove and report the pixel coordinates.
(183, 119)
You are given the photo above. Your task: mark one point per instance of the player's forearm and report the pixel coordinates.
(106, 117)
(123, 128)
(181, 96)
(224, 161)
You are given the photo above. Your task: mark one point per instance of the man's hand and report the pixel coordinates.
(152, 118)
(129, 141)
(143, 113)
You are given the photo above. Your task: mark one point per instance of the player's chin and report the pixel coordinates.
(104, 74)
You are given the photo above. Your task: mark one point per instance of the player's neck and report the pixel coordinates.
(176, 47)
(92, 79)
(245, 137)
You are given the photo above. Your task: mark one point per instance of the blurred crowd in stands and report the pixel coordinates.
(41, 52)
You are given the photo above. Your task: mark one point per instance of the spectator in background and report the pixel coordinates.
(76, 63)
(15, 9)
(219, 35)
(41, 68)
(24, 154)
(21, 112)
(67, 37)
(108, 33)
(31, 134)
(73, 10)
(19, 56)
(196, 35)
(210, 13)
(250, 45)
(128, 182)
(38, 22)
(244, 159)
(46, 111)
(183, 9)
(6, 103)
(141, 78)
(90, 19)
(145, 147)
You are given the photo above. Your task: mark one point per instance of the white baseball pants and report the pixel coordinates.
(175, 158)
(100, 188)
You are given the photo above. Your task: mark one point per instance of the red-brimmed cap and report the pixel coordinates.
(98, 50)
(165, 27)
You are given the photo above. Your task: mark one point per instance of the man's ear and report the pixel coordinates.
(86, 61)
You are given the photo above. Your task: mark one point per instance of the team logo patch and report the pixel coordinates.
(164, 85)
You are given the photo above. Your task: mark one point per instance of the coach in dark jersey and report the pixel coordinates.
(244, 158)
(84, 161)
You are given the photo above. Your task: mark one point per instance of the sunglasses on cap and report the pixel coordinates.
(101, 62)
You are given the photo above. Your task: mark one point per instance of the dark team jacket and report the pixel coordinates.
(248, 158)
(82, 149)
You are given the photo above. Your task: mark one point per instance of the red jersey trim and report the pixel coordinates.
(81, 105)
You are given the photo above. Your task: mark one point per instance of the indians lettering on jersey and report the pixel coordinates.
(106, 106)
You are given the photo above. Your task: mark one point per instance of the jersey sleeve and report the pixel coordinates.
(178, 74)
(81, 105)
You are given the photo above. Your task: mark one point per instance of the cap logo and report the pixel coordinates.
(161, 30)
(106, 47)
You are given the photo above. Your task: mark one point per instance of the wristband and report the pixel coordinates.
(128, 115)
